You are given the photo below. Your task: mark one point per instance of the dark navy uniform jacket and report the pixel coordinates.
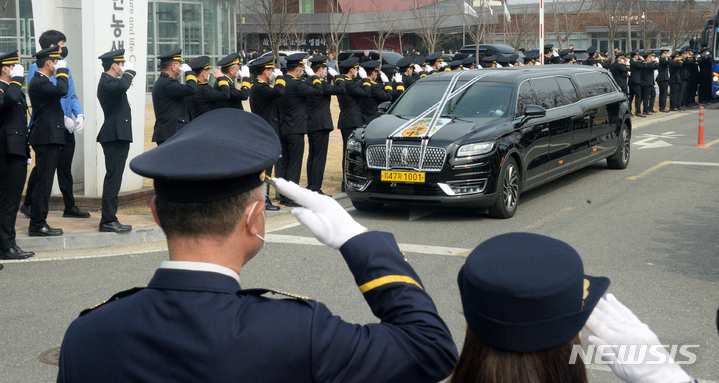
(194, 326)
(264, 101)
(112, 94)
(350, 110)
(49, 119)
(318, 107)
(619, 72)
(293, 106)
(13, 119)
(379, 92)
(206, 98)
(636, 66)
(168, 100)
(236, 95)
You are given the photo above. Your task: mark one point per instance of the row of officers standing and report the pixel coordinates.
(50, 132)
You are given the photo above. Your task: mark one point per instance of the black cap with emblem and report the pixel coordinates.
(319, 61)
(230, 60)
(468, 62)
(548, 48)
(116, 56)
(419, 60)
(294, 59)
(10, 58)
(220, 154)
(404, 63)
(388, 69)
(434, 57)
(51, 52)
(350, 63)
(264, 63)
(371, 65)
(174, 55)
(199, 64)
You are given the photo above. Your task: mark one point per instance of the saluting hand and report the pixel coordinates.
(216, 73)
(322, 215)
(245, 71)
(185, 68)
(17, 71)
(397, 78)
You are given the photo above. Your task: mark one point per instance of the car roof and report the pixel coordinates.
(516, 74)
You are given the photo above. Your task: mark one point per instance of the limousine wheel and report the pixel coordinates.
(620, 159)
(367, 206)
(507, 191)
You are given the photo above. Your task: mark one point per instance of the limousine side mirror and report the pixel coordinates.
(530, 112)
(534, 111)
(384, 107)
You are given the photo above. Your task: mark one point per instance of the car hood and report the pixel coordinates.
(454, 131)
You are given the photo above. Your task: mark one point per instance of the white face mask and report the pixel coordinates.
(264, 216)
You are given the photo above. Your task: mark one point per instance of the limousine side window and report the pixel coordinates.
(568, 90)
(594, 84)
(525, 97)
(547, 92)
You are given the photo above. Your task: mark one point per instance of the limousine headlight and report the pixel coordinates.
(354, 145)
(475, 149)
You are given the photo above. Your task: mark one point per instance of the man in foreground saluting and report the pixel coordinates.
(193, 322)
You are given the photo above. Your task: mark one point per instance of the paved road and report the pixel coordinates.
(652, 229)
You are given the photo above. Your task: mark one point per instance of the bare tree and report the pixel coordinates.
(524, 23)
(430, 17)
(384, 23)
(677, 19)
(337, 23)
(296, 37)
(566, 16)
(610, 10)
(630, 8)
(475, 23)
(273, 18)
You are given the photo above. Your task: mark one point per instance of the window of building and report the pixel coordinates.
(307, 6)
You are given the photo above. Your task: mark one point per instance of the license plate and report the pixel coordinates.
(391, 176)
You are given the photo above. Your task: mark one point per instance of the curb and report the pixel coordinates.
(96, 239)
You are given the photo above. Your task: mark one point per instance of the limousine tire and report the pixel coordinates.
(367, 206)
(507, 191)
(620, 159)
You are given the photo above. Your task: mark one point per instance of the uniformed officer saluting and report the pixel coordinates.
(350, 111)
(319, 122)
(293, 108)
(193, 322)
(206, 98)
(379, 92)
(168, 96)
(48, 133)
(230, 67)
(115, 134)
(14, 152)
(263, 102)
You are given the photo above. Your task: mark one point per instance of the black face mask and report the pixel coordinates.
(63, 52)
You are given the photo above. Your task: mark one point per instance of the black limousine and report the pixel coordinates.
(477, 139)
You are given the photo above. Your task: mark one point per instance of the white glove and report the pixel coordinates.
(612, 323)
(361, 73)
(417, 69)
(245, 71)
(428, 68)
(185, 68)
(383, 77)
(397, 78)
(322, 215)
(332, 72)
(127, 66)
(309, 70)
(442, 64)
(60, 64)
(17, 71)
(277, 73)
(69, 125)
(80, 119)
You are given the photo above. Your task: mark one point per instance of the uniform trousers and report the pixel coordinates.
(293, 148)
(317, 159)
(115, 159)
(683, 94)
(705, 89)
(692, 87)
(64, 177)
(675, 89)
(47, 158)
(646, 96)
(663, 85)
(13, 170)
(637, 91)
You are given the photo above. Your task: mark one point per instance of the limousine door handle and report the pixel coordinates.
(545, 130)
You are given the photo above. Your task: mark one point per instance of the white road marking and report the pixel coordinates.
(695, 163)
(408, 247)
(645, 144)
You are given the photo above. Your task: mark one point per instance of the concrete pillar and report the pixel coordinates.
(93, 27)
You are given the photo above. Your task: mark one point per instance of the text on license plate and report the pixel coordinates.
(402, 176)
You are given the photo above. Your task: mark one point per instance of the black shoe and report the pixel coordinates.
(320, 192)
(114, 227)
(269, 206)
(45, 231)
(12, 253)
(641, 115)
(25, 210)
(26, 253)
(663, 110)
(74, 212)
(290, 203)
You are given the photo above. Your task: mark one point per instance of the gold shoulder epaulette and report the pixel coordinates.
(121, 294)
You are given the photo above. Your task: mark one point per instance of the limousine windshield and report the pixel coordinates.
(482, 100)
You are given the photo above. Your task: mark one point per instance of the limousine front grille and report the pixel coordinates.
(403, 156)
